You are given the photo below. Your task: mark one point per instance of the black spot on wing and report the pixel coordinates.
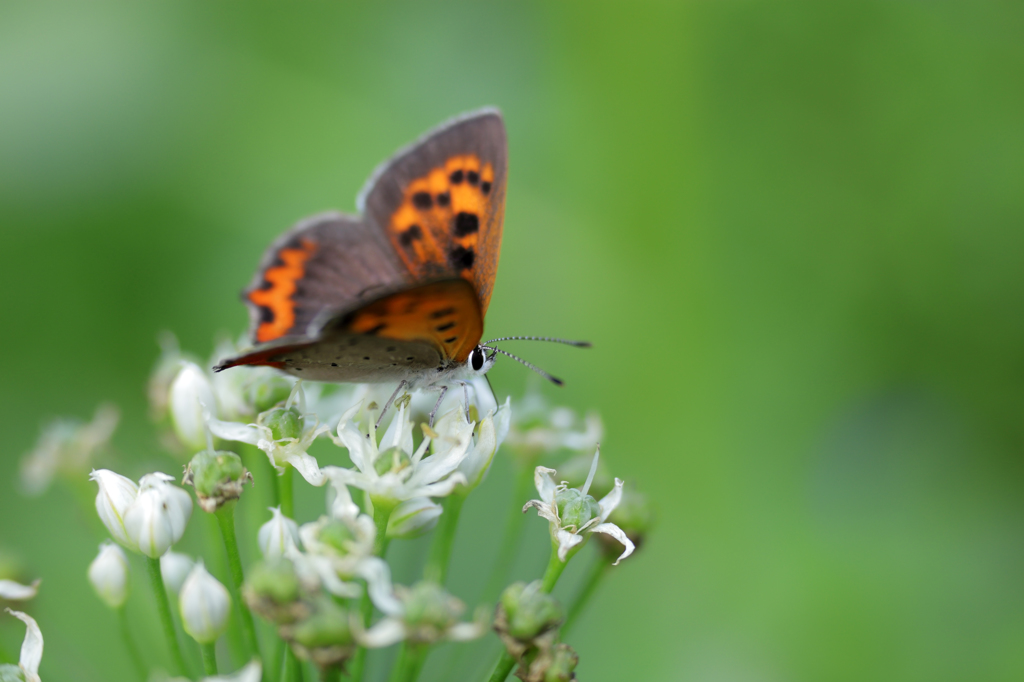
(472, 177)
(422, 200)
(466, 223)
(444, 312)
(376, 329)
(445, 327)
(461, 258)
(410, 235)
(443, 199)
(266, 314)
(456, 177)
(485, 187)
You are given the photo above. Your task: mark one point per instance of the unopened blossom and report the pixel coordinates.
(218, 478)
(31, 652)
(392, 472)
(15, 591)
(412, 518)
(277, 535)
(572, 514)
(156, 519)
(205, 605)
(67, 447)
(174, 568)
(554, 663)
(283, 433)
(425, 613)
(116, 494)
(527, 616)
(246, 391)
(324, 635)
(108, 574)
(191, 396)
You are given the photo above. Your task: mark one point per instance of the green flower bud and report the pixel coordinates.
(575, 508)
(563, 662)
(391, 460)
(323, 636)
(282, 422)
(634, 515)
(217, 477)
(267, 393)
(528, 611)
(271, 589)
(428, 605)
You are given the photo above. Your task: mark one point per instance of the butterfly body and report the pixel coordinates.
(399, 293)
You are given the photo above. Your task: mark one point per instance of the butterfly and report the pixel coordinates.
(398, 294)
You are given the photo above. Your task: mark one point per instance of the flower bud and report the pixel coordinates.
(576, 508)
(157, 518)
(277, 535)
(175, 568)
(561, 663)
(268, 391)
(413, 518)
(324, 636)
(429, 612)
(218, 478)
(191, 396)
(529, 612)
(113, 500)
(272, 591)
(108, 574)
(205, 606)
(282, 422)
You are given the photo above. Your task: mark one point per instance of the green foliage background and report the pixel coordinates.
(792, 231)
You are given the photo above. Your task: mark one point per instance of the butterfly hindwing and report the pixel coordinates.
(441, 202)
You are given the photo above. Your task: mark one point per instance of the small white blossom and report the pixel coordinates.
(246, 391)
(277, 535)
(158, 516)
(406, 474)
(205, 605)
(67, 447)
(290, 448)
(573, 514)
(108, 574)
(423, 614)
(491, 434)
(13, 591)
(31, 650)
(191, 396)
(538, 428)
(174, 568)
(116, 495)
(413, 518)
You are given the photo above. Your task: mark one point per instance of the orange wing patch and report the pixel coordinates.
(445, 314)
(438, 227)
(275, 298)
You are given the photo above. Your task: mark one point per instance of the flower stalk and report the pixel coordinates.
(439, 558)
(163, 608)
(226, 521)
(209, 652)
(129, 645)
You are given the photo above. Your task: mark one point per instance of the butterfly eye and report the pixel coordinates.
(476, 359)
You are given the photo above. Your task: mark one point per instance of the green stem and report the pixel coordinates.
(226, 519)
(330, 674)
(292, 667)
(512, 536)
(436, 569)
(163, 607)
(381, 515)
(129, 644)
(410, 662)
(209, 658)
(555, 567)
(285, 491)
(598, 570)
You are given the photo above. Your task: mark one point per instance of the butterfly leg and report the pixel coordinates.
(444, 389)
(394, 395)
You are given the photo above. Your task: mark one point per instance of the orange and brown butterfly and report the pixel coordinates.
(400, 293)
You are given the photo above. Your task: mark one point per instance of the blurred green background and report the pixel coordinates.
(794, 233)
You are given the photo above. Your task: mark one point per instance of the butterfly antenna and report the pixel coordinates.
(578, 344)
(553, 379)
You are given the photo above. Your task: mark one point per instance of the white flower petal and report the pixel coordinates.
(384, 633)
(116, 495)
(31, 648)
(191, 396)
(108, 574)
(235, 431)
(609, 502)
(174, 568)
(205, 605)
(377, 575)
(307, 467)
(399, 433)
(441, 488)
(413, 517)
(544, 483)
(463, 632)
(13, 591)
(277, 534)
(567, 541)
(339, 499)
(618, 534)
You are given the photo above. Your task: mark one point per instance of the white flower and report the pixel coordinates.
(491, 434)
(573, 514)
(108, 574)
(413, 518)
(12, 591)
(537, 427)
(191, 396)
(400, 474)
(205, 605)
(158, 516)
(296, 432)
(277, 535)
(113, 500)
(244, 392)
(67, 446)
(31, 650)
(423, 614)
(175, 568)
